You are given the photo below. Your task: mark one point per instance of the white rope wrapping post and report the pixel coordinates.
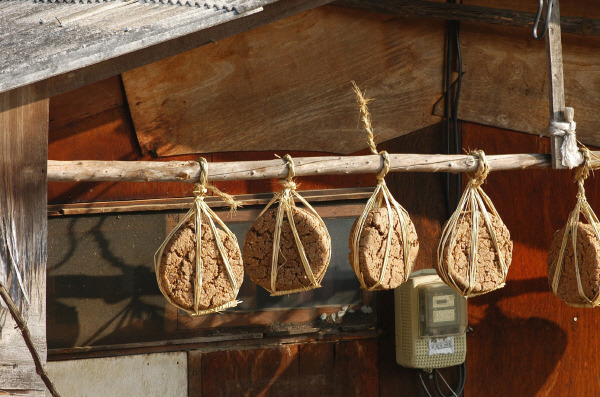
(571, 156)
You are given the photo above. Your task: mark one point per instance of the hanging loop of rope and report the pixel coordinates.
(386, 166)
(203, 186)
(288, 182)
(478, 177)
(538, 16)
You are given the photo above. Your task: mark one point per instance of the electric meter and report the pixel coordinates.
(431, 319)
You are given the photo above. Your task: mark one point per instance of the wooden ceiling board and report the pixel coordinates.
(287, 86)
(505, 81)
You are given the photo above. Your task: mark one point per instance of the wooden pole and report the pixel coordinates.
(23, 236)
(22, 325)
(189, 171)
(556, 86)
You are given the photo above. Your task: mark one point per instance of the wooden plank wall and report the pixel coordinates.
(505, 72)
(247, 96)
(23, 163)
(103, 129)
(524, 342)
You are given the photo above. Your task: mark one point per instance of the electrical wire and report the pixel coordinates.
(424, 387)
(451, 105)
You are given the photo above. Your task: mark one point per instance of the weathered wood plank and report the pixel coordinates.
(194, 359)
(356, 372)
(295, 98)
(87, 101)
(506, 83)
(316, 368)
(556, 84)
(23, 150)
(508, 15)
(257, 372)
(143, 54)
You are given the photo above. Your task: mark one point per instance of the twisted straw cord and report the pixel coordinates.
(365, 116)
(202, 187)
(478, 177)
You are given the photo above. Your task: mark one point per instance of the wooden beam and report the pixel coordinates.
(470, 13)
(556, 85)
(23, 150)
(189, 171)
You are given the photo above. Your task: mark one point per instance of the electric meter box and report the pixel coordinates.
(431, 320)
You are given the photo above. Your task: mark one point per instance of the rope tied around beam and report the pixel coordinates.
(381, 195)
(202, 187)
(571, 156)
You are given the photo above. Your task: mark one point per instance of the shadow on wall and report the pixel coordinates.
(494, 368)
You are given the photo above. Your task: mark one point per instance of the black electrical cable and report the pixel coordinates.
(462, 380)
(455, 105)
(424, 387)
(451, 105)
(447, 110)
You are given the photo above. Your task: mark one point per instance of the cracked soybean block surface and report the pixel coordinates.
(372, 246)
(488, 275)
(177, 270)
(258, 250)
(588, 259)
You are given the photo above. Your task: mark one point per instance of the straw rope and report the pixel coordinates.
(199, 211)
(473, 202)
(582, 206)
(285, 200)
(380, 195)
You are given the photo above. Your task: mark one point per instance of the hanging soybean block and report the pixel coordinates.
(383, 243)
(587, 261)
(288, 248)
(475, 249)
(199, 265)
(574, 254)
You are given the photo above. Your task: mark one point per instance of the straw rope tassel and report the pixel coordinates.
(380, 195)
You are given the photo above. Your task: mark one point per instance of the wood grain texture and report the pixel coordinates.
(499, 15)
(505, 81)
(295, 98)
(523, 325)
(356, 372)
(556, 83)
(23, 149)
(259, 372)
(338, 368)
(85, 102)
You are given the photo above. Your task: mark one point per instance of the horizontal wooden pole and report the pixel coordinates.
(470, 13)
(189, 171)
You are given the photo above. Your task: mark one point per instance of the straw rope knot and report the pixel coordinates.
(571, 156)
(202, 187)
(583, 172)
(478, 177)
(288, 182)
(386, 166)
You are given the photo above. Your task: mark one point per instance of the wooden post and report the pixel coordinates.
(23, 162)
(556, 87)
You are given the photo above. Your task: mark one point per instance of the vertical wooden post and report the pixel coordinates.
(23, 166)
(556, 86)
